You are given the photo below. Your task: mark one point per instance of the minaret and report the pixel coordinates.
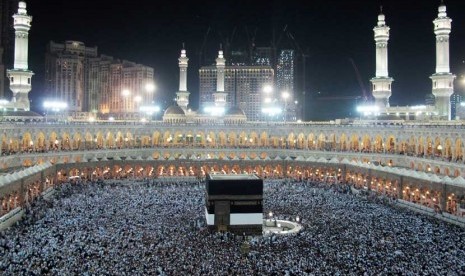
(443, 80)
(20, 76)
(220, 95)
(381, 82)
(182, 96)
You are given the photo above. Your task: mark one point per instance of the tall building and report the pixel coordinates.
(76, 75)
(429, 99)
(263, 56)
(99, 83)
(238, 57)
(242, 84)
(65, 73)
(455, 101)
(120, 88)
(443, 80)
(285, 70)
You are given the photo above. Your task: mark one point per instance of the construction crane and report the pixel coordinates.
(251, 42)
(365, 96)
(202, 47)
(304, 55)
(338, 98)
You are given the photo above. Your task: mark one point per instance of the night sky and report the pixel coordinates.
(331, 32)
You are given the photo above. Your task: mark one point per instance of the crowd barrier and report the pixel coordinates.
(460, 221)
(11, 218)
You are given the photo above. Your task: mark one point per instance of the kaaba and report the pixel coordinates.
(234, 203)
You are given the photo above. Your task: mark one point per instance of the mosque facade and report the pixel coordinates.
(416, 161)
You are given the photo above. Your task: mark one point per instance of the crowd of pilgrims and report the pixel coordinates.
(158, 228)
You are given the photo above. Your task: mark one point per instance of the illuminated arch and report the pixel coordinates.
(438, 147)
(99, 139)
(421, 147)
(321, 143)
(253, 139)
(429, 146)
(66, 141)
(40, 142)
(291, 141)
(222, 140)
(156, 138)
(366, 143)
(412, 146)
(53, 140)
(26, 142)
(344, 145)
(391, 144)
(76, 144)
(458, 150)
(448, 149)
(354, 142)
(168, 138)
(378, 144)
(232, 138)
(145, 141)
(331, 143)
(311, 142)
(300, 141)
(264, 139)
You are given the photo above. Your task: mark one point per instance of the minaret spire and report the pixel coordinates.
(220, 96)
(381, 82)
(443, 80)
(182, 96)
(20, 76)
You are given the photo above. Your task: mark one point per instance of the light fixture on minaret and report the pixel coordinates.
(182, 96)
(381, 82)
(220, 95)
(20, 76)
(443, 80)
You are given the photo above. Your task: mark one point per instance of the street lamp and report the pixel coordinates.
(150, 87)
(149, 109)
(125, 104)
(368, 110)
(55, 106)
(268, 89)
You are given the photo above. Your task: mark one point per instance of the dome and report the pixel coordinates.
(174, 110)
(235, 111)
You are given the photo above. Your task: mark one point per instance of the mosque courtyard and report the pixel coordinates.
(154, 228)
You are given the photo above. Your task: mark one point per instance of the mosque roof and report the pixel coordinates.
(234, 111)
(174, 110)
